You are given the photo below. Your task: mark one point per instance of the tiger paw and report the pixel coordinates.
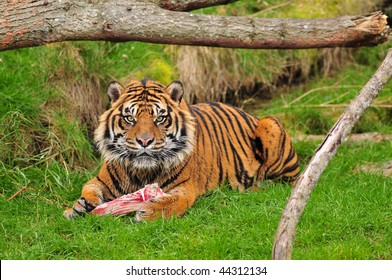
(164, 206)
(70, 214)
(81, 207)
(148, 212)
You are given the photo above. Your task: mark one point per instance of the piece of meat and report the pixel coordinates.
(129, 202)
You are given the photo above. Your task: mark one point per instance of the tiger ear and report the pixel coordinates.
(114, 91)
(176, 91)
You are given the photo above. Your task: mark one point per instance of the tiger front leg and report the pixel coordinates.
(175, 203)
(91, 197)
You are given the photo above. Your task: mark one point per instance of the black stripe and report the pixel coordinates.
(182, 182)
(120, 125)
(260, 147)
(232, 116)
(286, 170)
(290, 168)
(200, 136)
(113, 122)
(154, 100)
(114, 180)
(282, 146)
(174, 177)
(290, 156)
(205, 124)
(183, 120)
(105, 185)
(139, 182)
(133, 84)
(120, 108)
(230, 121)
(245, 179)
(107, 121)
(89, 207)
(245, 116)
(280, 157)
(78, 212)
(176, 124)
(220, 172)
(236, 169)
(215, 123)
(252, 128)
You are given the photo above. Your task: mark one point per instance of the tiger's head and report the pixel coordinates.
(148, 127)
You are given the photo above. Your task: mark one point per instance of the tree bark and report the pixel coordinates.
(306, 182)
(189, 5)
(34, 23)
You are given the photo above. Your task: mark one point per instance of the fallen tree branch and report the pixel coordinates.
(34, 23)
(304, 185)
(378, 168)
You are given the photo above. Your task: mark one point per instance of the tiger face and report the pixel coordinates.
(147, 128)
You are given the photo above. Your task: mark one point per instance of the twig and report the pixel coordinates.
(271, 8)
(45, 159)
(337, 98)
(18, 192)
(319, 89)
(324, 105)
(284, 238)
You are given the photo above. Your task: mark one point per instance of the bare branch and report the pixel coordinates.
(34, 23)
(306, 182)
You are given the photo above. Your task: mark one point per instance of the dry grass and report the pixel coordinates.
(214, 74)
(88, 102)
(84, 96)
(205, 73)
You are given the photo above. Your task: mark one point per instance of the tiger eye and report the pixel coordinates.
(130, 119)
(160, 119)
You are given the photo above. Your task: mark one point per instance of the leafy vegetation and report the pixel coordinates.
(51, 99)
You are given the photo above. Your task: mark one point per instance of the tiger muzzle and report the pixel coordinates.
(145, 140)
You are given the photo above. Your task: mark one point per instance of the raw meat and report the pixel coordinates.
(129, 202)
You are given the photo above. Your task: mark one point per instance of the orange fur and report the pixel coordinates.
(151, 135)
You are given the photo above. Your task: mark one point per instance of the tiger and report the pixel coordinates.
(150, 134)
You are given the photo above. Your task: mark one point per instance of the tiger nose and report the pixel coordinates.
(144, 140)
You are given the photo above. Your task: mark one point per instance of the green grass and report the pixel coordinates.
(348, 217)
(349, 214)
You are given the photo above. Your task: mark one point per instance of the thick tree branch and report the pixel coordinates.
(306, 182)
(34, 23)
